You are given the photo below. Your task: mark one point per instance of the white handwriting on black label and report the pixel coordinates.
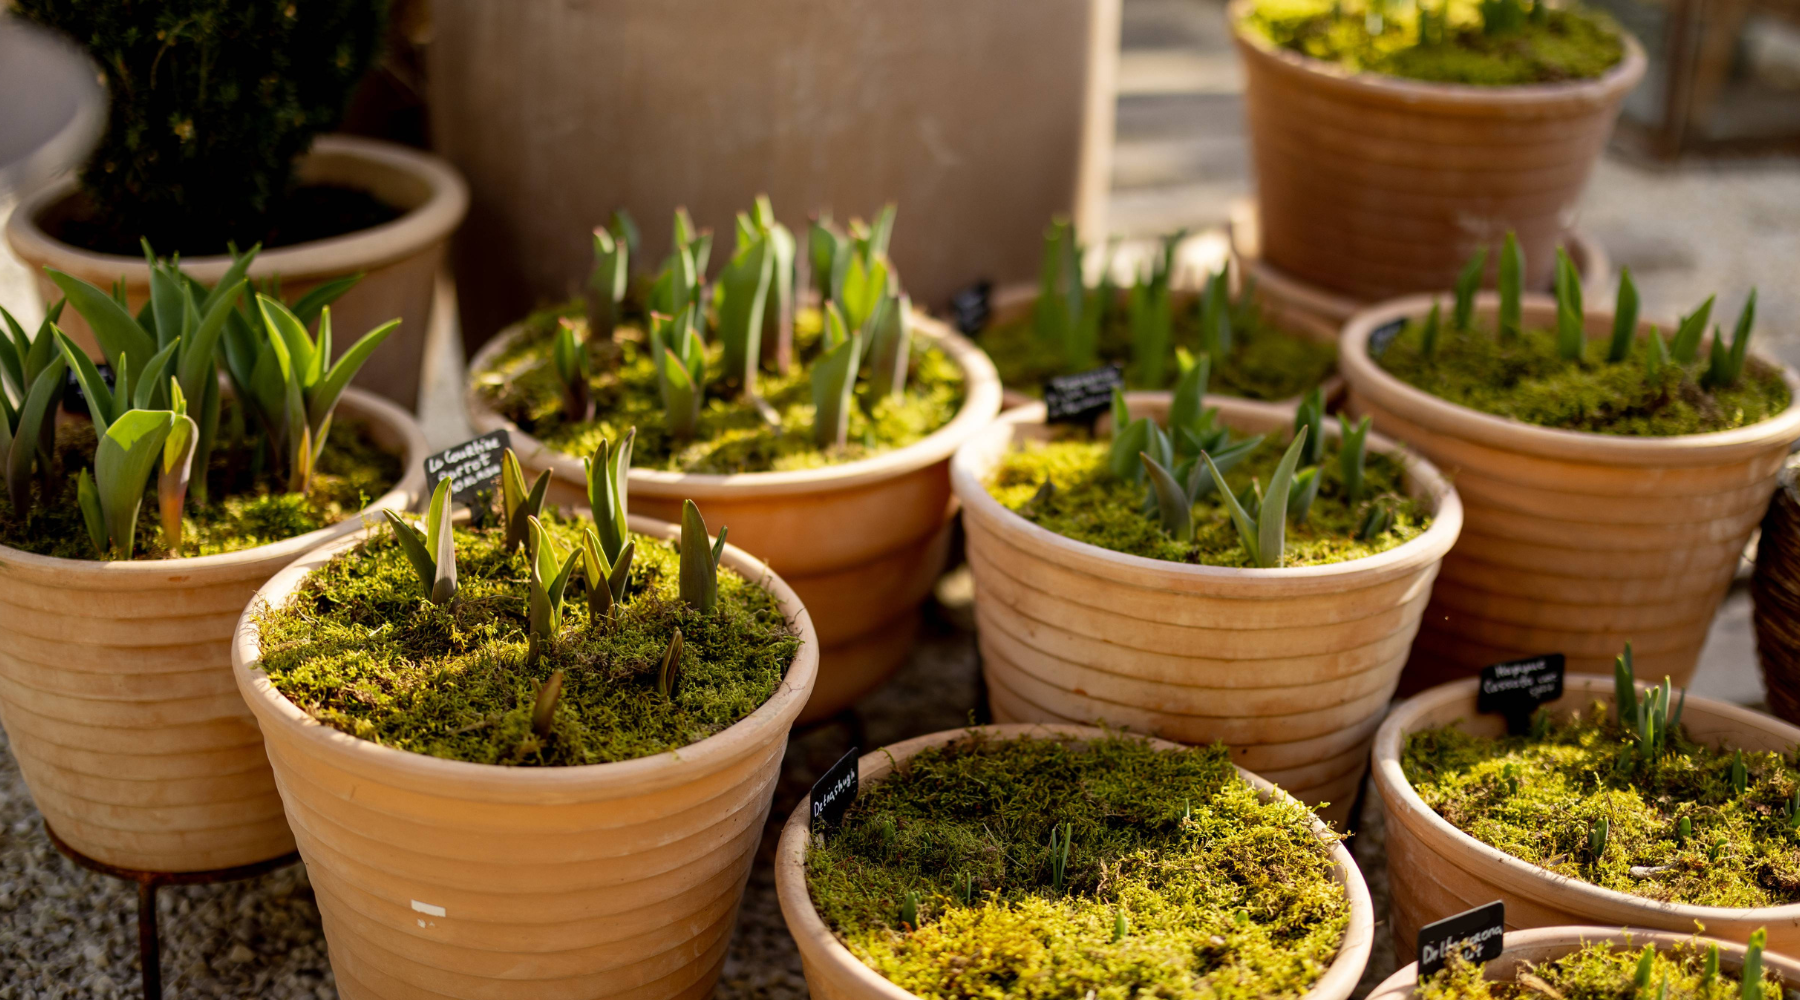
(1470, 946)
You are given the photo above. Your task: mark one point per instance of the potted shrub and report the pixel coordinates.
(781, 418)
(1389, 142)
(1612, 473)
(1604, 961)
(131, 538)
(210, 142)
(1682, 815)
(1062, 325)
(1116, 582)
(532, 757)
(1065, 860)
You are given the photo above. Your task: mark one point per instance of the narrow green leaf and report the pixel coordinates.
(1625, 317)
(1468, 281)
(608, 474)
(699, 582)
(1685, 346)
(412, 544)
(833, 381)
(87, 375)
(1272, 525)
(1173, 504)
(1247, 529)
(123, 460)
(89, 500)
(324, 396)
(114, 328)
(1512, 283)
(313, 303)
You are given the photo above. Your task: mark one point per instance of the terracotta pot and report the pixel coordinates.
(446, 878)
(1374, 186)
(1438, 870)
(116, 690)
(1546, 944)
(1016, 302)
(833, 973)
(981, 120)
(1293, 296)
(399, 260)
(1071, 632)
(1575, 542)
(1775, 589)
(862, 543)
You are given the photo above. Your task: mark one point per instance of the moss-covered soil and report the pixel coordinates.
(361, 650)
(1596, 972)
(733, 435)
(1537, 796)
(1528, 381)
(246, 505)
(1266, 362)
(1223, 895)
(1570, 43)
(1089, 505)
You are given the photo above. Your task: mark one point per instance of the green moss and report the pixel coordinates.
(1235, 901)
(246, 506)
(733, 436)
(1537, 797)
(1529, 381)
(1597, 972)
(1571, 43)
(1267, 362)
(1090, 506)
(361, 650)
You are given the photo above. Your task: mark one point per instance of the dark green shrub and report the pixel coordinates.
(211, 102)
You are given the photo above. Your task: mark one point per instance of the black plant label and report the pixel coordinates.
(1081, 398)
(1384, 335)
(971, 307)
(1478, 934)
(472, 467)
(1516, 688)
(833, 793)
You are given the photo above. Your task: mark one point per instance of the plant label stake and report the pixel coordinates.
(971, 307)
(1479, 935)
(1081, 398)
(1383, 335)
(833, 793)
(473, 469)
(1517, 687)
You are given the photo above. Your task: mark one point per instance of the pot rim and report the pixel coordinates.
(969, 469)
(804, 922)
(1565, 939)
(1494, 865)
(191, 570)
(533, 785)
(1454, 98)
(364, 249)
(981, 403)
(1444, 417)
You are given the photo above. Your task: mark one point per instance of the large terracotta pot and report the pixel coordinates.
(1291, 667)
(1437, 870)
(445, 878)
(399, 260)
(1014, 303)
(117, 695)
(981, 120)
(1575, 542)
(1547, 944)
(1376, 186)
(1292, 296)
(862, 543)
(833, 973)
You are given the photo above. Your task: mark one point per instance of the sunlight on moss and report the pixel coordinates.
(1597, 972)
(1236, 901)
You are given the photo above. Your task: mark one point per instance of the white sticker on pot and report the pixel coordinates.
(427, 908)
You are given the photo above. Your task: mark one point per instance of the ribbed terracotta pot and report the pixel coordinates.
(833, 973)
(117, 695)
(1436, 870)
(399, 260)
(1547, 944)
(1575, 542)
(1016, 302)
(1291, 667)
(862, 543)
(443, 878)
(1375, 186)
(1292, 296)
